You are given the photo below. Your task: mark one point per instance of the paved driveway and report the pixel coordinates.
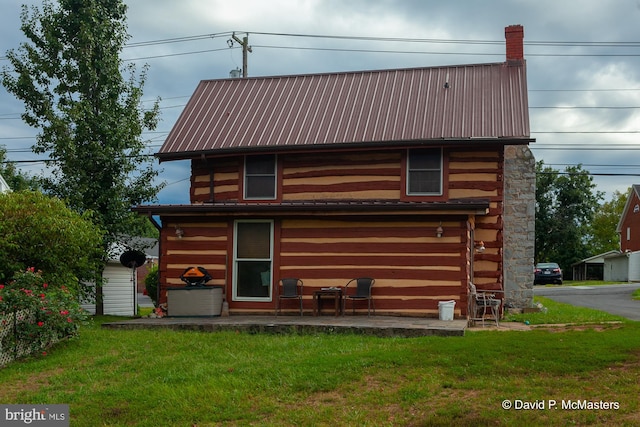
(614, 299)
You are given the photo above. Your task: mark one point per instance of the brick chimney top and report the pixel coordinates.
(514, 34)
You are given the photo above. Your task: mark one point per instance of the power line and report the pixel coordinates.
(418, 52)
(551, 43)
(167, 55)
(178, 39)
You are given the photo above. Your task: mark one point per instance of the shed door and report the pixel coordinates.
(253, 255)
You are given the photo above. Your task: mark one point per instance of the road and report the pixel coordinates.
(614, 299)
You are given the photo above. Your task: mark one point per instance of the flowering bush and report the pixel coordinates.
(40, 313)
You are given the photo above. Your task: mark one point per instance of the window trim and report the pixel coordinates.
(444, 181)
(276, 175)
(234, 281)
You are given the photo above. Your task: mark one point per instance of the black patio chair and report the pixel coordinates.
(362, 292)
(290, 288)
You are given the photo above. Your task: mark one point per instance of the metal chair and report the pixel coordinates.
(290, 288)
(483, 303)
(362, 292)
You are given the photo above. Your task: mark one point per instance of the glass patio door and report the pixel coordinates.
(253, 256)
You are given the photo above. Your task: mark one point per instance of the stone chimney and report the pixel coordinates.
(514, 34)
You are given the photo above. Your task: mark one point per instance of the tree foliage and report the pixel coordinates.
(566, 203)
(87, 107)
(37, 231)
(603, 235)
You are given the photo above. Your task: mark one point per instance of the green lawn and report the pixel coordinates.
(587, 283)
(558, 313)
(179, 378)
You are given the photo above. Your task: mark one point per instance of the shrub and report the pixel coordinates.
(41, 231)
(151, 284)
(41, 312)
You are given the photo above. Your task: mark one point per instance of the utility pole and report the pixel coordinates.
(245, 50)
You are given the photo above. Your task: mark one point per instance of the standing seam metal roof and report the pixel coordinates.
(481, 101)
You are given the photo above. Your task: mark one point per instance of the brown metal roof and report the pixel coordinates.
(368, 107)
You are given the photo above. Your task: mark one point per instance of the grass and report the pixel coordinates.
(179, 378)
(587, 283)
(558, 313)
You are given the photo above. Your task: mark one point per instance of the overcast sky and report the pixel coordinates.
(583, 63)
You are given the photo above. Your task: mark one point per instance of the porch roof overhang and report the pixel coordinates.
(321, 208)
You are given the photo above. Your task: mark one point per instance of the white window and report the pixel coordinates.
(424, 172)
(253, 256)
(260, 177)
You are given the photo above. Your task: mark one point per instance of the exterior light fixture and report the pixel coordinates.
(439, 230)
(479, 246)
(179, 232)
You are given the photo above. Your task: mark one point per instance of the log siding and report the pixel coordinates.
(413, 268)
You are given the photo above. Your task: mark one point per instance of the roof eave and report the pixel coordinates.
(443, 142)
(457, 206)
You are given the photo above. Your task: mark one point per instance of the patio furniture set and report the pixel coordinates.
(358, 289)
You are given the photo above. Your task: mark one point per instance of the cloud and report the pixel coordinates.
(559, 75)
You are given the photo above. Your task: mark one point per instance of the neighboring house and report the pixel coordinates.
(625, 266)
(4, 187)
(629, 224)
(420, 178)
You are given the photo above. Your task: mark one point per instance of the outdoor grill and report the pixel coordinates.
(195, 276)
(195, 299)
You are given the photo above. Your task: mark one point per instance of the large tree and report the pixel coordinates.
(86, 104)
(565, 206)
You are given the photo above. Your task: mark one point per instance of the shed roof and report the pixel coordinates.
(465, 102)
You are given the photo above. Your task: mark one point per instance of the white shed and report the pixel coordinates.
(119, 293)
(622, 267)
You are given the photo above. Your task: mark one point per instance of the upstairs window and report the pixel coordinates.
(424, 172)
(260, 177)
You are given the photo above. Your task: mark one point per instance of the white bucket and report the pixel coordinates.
(445, 309)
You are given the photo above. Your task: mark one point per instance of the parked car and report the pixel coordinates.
(547, 272)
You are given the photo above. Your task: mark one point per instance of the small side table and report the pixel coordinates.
(318, 296)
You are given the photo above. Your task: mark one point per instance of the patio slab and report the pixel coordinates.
(384, 326)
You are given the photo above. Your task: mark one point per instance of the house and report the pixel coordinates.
(625, 266)
(629, 224)
(4, 187)
(420, 178)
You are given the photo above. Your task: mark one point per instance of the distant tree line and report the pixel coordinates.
(572, 220)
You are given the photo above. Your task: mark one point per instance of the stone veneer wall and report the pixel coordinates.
(519, 225)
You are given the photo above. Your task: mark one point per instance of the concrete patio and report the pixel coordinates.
(384, 326)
